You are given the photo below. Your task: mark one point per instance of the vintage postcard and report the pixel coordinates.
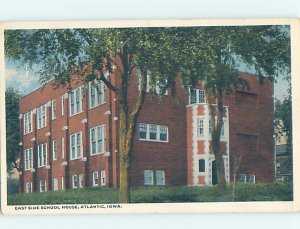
(150, 116)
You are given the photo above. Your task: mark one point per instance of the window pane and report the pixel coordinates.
(100, 139)
(200, 127)
(242, 178)
(153, 132)
(163, 133)
(73, 146)
(193, 96)
(201, 96)
(202, 165)
(78, 144)
(148, 177)
(44, 154)
(99, 93)
(143, 131)
(160, 177)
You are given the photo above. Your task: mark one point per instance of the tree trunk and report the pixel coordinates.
(124, 194)
(127, 131)
(216, 115)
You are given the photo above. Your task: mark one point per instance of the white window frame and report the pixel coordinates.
(200, 96)
(73, 100)
(78, 155)
(102, 177)
(41, 120)
(95, 179)
(62, 183)
(74, 185)
(94, 86)
(245, 178)
(163, 177)
(28, 163)
(53, 109)
(27, 122)
(54, 150)
(28, 187)
(158, 128)
(96, 140)
(80, 180)
(55, 184)
(62, 147)
(45, 187)
(151, 176)
(62, 100)
(148, 88)
(42, 155)
(248, 175)
(200, 126)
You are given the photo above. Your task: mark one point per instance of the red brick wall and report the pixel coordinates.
(254, 121)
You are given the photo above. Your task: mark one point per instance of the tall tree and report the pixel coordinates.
(12, 97)
(283, 126)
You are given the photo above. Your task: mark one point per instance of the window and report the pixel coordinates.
(250, 178)
(43, 186)
(42, 155)
(163, 133)
(62, 147)
(103, 177)
(242, 178)
(247, 178)
(80, 180)
(201, 165)
(76, 145)
(197, 96)
(41, 117)
(152, 132)
(143, 131)
(54, 150)
(28, 159)
(55, 184)
(53, 109)
(97, 140)
(62, 105)
(27, 123)
(95, 179)
(148, 177)
(154, 87)
(160, 177)
(200, 127)
(28, 187)
(74, 181)
(75, 101)
(96, 93)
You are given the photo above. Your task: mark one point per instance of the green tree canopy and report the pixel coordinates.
(12, 97)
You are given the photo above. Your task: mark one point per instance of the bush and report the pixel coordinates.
(163, 194)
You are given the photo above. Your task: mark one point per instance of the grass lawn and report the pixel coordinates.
(243, 192)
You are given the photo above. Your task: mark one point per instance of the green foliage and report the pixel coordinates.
(12, 97)
(244, 192)
(12, 186)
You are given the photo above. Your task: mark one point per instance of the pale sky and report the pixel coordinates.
(27, 83)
